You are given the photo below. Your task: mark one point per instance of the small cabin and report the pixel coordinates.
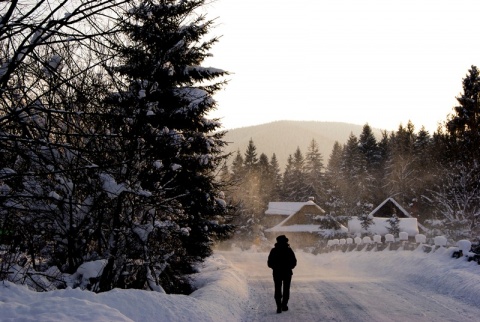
(301, 225)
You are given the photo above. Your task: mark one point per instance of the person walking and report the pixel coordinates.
(282, 261)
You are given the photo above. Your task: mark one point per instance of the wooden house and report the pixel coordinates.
(301, 225)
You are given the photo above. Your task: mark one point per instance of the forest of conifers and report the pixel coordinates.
(434, 176)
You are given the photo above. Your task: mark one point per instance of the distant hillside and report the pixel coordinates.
(283, 137)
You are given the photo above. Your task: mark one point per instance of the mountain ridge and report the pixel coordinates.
(283, 138)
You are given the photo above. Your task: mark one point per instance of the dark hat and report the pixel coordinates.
(282, 239)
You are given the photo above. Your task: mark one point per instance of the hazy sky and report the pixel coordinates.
(378, 61)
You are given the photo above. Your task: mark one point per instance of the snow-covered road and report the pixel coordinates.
(349, 287)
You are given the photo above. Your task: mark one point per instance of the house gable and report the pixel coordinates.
(305, 216)
(277, 212)
(283, 208)
(389, 207)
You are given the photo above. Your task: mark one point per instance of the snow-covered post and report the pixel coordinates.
(349, 241)
(377, 240)
(358, 243)
(420, 240)
(367, 241)
(389, 240)
(343, 243)
(440, 243)
(403, 236)
(335, 243)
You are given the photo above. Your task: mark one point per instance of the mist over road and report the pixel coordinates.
(324, 289)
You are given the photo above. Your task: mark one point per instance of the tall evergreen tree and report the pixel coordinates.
(295, 188)
(464, 126)
(277, 179)
(266, 180)
(456, 193)
(168, 150)
(238, 170)
(314, 172)
(371, 153)
(250, 159)
(335, 202)
(369, 147)
(426, 168)
(353, 174)
(401, 172)
(288, 189)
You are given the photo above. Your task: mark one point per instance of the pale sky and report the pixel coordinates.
(378, 61)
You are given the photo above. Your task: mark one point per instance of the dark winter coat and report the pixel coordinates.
(282, 260)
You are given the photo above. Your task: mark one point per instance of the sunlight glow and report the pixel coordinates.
(375, 61)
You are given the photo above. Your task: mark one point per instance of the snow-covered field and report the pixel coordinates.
(237, 286)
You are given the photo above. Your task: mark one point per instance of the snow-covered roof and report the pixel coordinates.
(286, 208)
(294, 228)
(281, 227)
(380, 224)
(300, 228)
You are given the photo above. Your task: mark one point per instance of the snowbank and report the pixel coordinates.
(223, 293)
(222, 290)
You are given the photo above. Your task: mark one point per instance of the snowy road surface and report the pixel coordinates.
(330, 287)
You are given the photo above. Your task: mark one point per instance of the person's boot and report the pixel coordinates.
(284, 306)
(279, 306)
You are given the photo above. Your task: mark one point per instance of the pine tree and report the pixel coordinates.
(365, 221)
(464, 126)
(276, 178)
(314, 172)
(266, 182)
(238, 170)
(294, 186)
(353, 174)
(167, 150)
(288, 190)
(393, 225)
(401, 173)
(250, 159)
(371, 154)
(335, 202)
(426, 168)
(252, 184)
(369, 147)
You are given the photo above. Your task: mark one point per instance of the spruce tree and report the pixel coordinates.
(167, 149)
(368, 146)
(250, 159)
(335, 202)
(401, 172)
(353, 175)
(294, 185)
(238, 169)
(288, 189)
(266, 180)
(393, 225)
(464, 126)
(314, 172)
(276, 178)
